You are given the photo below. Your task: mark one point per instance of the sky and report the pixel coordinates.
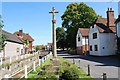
(34, 17)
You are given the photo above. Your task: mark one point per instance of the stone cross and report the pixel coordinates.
(54, 31)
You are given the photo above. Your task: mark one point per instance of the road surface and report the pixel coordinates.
(98, 65)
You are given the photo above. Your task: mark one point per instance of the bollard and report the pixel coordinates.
(34, 65)
(88, 70)
(73, 61)
(79, 63)
(44, 58)
(1, 61)
(104, 76)
(25, 71)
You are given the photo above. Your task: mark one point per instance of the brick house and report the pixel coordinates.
(102, 38)
(26, 39)
(82, 40)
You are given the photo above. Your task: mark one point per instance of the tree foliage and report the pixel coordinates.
(77, 15)
(61, 37)
(2, 36)
(37, 48)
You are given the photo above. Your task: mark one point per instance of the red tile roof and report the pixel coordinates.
(102, 24)
(84, 31)
(24, 36)
(102, 20)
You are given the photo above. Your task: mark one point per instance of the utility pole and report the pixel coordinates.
(54, 31)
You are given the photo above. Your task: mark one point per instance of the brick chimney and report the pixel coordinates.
(110, 17)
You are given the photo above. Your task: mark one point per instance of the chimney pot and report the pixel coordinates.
(21, 31)
(110, 9)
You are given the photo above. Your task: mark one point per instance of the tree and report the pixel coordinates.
(40, 47)
(77, 16)
(61, 38)
(1, 25)
(37, 48)
(3, 37)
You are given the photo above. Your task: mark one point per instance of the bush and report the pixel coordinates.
(70, 73)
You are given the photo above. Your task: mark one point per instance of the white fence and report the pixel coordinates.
(18, 64)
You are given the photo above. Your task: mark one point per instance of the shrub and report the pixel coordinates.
(70, 73)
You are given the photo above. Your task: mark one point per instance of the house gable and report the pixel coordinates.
(79, 39)
(118, 26)
(94, 42)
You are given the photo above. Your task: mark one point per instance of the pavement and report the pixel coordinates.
(98, 65)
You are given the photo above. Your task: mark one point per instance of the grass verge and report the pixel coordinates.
(66, 71)
(33, 74)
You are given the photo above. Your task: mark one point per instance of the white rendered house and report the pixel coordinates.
(118, 21)
(13, 46)
(102, 38)
(82, 40)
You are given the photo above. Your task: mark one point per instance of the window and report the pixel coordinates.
(21, 51)
(94, 35)
(78, 38)
(96, 47)
(17, 50)
(90, 48)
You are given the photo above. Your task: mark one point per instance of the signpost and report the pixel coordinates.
(54, 31)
